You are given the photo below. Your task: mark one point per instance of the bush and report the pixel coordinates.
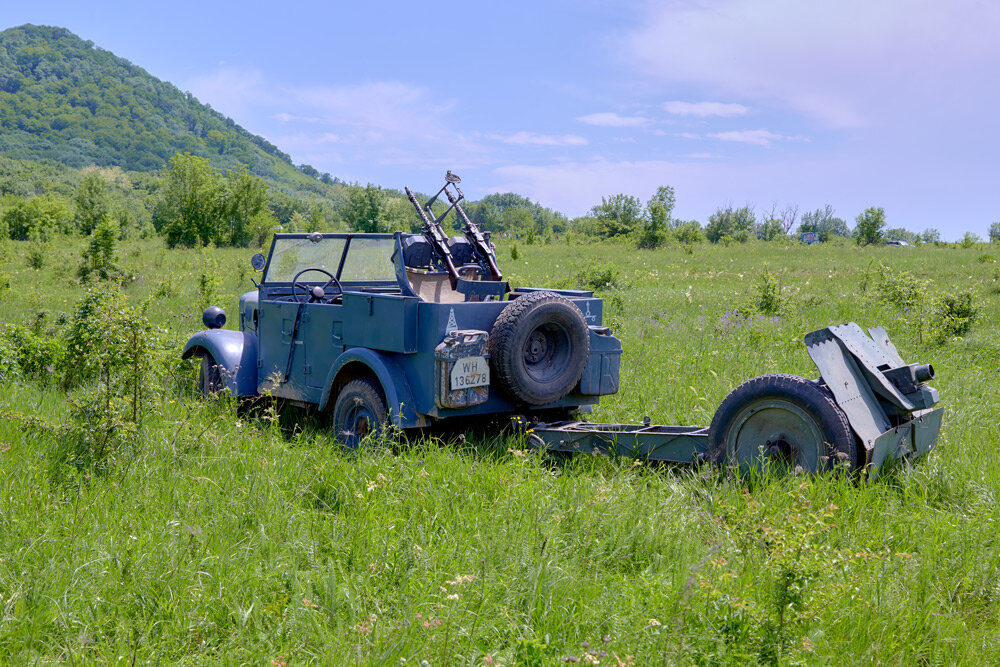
(107, 340)
(37, 356)
(953, 316)
(100, 259)
(765, 297)
(896, 288)
(600, 276)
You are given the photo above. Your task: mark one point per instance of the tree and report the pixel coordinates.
(618, 215)
(659, 209)
(734, 223)
(995, 232)
(771, 230)
(38, 218)
(364, 209)
(900, 234)
(241, 200)
(186, 211)
(92, 202)
(930, 235)
(870, 226)
(689, 232)
(101, 256)
(824, 224)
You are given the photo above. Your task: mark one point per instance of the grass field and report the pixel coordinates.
(211, 535)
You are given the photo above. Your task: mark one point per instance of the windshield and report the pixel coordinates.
(293, 255)
(367, 258)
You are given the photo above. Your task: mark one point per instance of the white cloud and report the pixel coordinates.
(533, 139)
(572, 187)
(704, 109)
(847, 63)
(231, 90)
(756, 137)
(610, 119)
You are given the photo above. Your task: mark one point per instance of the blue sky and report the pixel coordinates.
(770, 103)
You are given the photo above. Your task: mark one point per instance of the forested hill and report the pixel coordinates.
(63, 99)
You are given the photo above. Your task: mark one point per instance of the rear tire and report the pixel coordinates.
(539, 347)
(358, 412)
(782, 421)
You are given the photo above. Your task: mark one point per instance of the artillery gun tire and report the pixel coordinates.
(539, 347)
(783, 420)
(209, 376)
(359, 411)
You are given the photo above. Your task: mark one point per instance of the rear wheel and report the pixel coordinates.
(781, 422)
(358, 412)
(209, 376)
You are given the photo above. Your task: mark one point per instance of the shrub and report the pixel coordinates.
(209, 284)
(107, 340)
(896, 288)
(600, 276)
(953, 316)
(37, 356)
(100, 258)
(10, 367)
(765, 297)
(970, 240)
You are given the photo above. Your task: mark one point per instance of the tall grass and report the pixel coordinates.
(223, 536)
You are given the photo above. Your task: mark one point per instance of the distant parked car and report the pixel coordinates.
(899, 244)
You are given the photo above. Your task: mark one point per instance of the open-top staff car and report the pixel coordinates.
(413, 328)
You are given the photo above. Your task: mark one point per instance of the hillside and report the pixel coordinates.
(66, 100)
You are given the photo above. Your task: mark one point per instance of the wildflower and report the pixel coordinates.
(453, 596)
(306, 602)
(654, 623)
(488, 659)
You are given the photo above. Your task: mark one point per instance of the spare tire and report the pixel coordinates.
(539, 347)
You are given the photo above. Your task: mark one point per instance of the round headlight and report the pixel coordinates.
(214, 317)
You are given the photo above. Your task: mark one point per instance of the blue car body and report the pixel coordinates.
(385, 313)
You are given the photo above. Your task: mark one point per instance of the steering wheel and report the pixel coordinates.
(313, 294)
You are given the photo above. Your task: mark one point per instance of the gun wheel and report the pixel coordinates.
(784, 423)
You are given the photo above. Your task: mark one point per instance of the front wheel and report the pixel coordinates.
(209, 376)
(784, 422)
(358, 412)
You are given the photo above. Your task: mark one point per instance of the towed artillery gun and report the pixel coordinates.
(419, 329)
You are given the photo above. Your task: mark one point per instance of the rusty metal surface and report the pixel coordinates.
(459, 344)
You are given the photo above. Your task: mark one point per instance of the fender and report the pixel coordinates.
(398, 397)
(234, 351)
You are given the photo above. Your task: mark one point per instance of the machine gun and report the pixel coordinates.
(481, 248)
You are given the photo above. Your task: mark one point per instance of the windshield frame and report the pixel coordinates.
(340, 261)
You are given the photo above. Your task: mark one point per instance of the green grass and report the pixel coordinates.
(216, 536)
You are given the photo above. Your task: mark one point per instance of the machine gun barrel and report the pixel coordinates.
(475, 237)
(438, 239)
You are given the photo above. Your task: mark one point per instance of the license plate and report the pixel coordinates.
(470, 372)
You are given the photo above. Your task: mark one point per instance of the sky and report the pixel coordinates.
(766, 103)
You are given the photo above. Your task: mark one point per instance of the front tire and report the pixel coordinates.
(359, 412)
(209, 376)
(781, 421)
